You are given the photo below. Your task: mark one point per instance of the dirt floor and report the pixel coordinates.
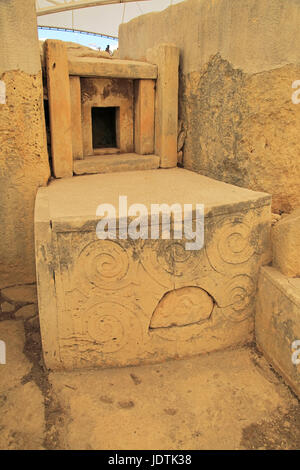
(225, 400)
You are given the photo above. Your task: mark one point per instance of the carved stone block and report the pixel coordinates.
(107, 303)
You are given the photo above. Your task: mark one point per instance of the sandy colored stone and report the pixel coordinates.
(278, 323)
(22, 419)
(21, 294)
(286, 245)
(19, 37)
(166, 57)
(182, 307)
(24, 161)
(226, 400)
(59, 98)
(144, 116)
(115, 163)
(104, 92)
(6, 307)
(77, 145)
(110, 289)
(78, 50)
(17, 365)
(235, 88)
(26, 312)
(91, 67)
(247, 35)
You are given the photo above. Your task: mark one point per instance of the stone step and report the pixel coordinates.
(115, 163)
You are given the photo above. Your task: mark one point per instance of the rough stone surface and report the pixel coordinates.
(166, 57)
(278, 322)
(21, 294)
(77, 145)
(235, 88)
(286, 245)
(22, 419)
(24, 160)
(20, 47)
(97, 297)
(227, 400)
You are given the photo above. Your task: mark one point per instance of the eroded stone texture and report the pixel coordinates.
(22, 420)
(166, 57)
(286, 244)
(75, 91)
(278, 323)
(24, 161)
(97, 297)
(235, 88)
(182, 307)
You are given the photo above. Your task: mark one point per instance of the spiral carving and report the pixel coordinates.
(105, 264)
(167, 259)
(110, 326)
(239, 296)
(230, 245)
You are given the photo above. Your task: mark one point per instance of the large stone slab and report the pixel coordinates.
(118, 302)
(115, 163)
(278, 323)
(95, 67)
(286, 244)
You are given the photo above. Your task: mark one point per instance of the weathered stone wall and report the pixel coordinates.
(238, 62)
(23, 153)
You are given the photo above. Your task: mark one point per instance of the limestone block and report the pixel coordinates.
(144, 116)
(75, 90)
(286, 244)
(97, 92)
(166, 56)
(278, 323)
(92, 67)
(108, 303)
(115, 163)
(60, 107)
(24, 164)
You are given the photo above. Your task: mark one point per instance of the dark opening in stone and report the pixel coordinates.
(104, 127)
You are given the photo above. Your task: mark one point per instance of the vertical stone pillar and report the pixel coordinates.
(59, 97)
(144, 91)
(24, 162)
(166, 57)
(77, 145)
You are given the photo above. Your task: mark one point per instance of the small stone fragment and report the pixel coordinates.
(6, 307)
(26, 312)
(20, 294)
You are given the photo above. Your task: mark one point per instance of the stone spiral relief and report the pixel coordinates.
(230, 245)
(238, 298)
(109, 325)
(105, 264)
(169, 259)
